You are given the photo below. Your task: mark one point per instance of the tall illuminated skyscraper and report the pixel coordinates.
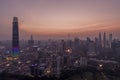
(15, 37)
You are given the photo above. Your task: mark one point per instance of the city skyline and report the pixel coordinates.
(54, 18)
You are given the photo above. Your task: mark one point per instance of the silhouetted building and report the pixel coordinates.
(0, 42)
(110, 40)
(83, 61)
(15, 37)
(96, 45)
(104, 41)
(91, 48)
(100, 40)
(76, 44)
(31, 41)
(115, 45)
(89, 40)
(63, 47)
(69, 44)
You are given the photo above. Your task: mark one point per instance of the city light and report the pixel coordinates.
(100, 65)
(9, 58)
(48, 71)
(19, 62)
(60, 40)
(69, 51)
(7, 65)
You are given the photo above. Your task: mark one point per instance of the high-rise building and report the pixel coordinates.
(91, 48)
(0, 43)
(63, 47)
(69, 44)
(15, 37)
(58, 66)
(31, 41)
(104, 41)
(97, 45)
(110, 40)
(100, 40)
(76, 44)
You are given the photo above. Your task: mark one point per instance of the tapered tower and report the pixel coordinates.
(15, 37)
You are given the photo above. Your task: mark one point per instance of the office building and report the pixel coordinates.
(15, 37)
(100, 40)
(104, 41)
(76, 44)
(110, 40)
(31, 41)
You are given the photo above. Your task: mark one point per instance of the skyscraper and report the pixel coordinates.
(104, 40)
(63, 47)
(110, 40)
(15, 37)
(76, 45)
(100, 40)
(31, 41)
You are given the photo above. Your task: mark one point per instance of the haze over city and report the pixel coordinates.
(59, 40)
(58, 18)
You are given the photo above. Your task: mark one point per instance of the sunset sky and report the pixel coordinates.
(58, 18)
